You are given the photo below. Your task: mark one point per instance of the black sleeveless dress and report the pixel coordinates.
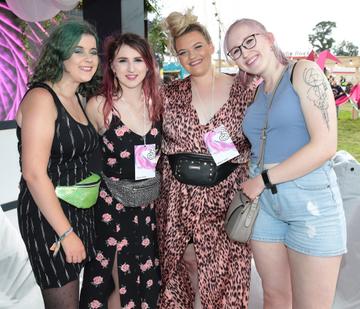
(130, 233)
(72, 144)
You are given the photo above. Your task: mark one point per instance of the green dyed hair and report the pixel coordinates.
(59, 47)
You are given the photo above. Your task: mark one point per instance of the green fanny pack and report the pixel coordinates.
(82, 194)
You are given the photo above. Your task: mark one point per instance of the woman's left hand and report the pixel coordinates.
(253, 187)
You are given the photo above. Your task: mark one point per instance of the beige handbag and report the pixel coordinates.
(241, 215)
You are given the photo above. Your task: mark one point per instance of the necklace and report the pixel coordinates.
(212, 97)
(142, 99)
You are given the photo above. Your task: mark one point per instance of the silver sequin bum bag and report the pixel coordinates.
(132, 193)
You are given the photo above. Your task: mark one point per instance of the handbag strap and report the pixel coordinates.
(263, 131)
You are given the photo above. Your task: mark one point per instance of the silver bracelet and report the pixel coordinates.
(56, 245)
(66, 233)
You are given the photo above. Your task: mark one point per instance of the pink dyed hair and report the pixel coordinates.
(246, 78)
(111, 86)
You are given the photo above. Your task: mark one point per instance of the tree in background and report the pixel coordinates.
(156, 35)
(321, 39)
(346, 48)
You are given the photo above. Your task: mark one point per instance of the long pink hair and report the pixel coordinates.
(111, 87)
(246, 78)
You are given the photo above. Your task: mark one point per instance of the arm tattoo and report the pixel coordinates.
(317, 92)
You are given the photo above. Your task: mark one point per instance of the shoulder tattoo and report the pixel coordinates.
(317, 92)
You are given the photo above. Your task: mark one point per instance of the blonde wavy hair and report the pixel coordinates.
(178, 24)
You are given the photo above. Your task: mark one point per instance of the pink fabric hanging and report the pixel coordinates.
(325, 54)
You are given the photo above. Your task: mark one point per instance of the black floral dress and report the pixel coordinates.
(128, 232)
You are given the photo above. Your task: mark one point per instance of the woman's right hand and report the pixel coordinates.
(73, 248)
(252, 187)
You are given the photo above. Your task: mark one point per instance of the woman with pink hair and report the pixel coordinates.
(300, 235)
(125, 272)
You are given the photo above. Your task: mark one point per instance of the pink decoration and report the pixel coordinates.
(325, 54)
(342, 100)
(33, 10)
(217, 146)
(355, 93)
(312, 56)
(142, 158)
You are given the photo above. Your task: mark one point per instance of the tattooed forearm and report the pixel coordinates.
(317, 92)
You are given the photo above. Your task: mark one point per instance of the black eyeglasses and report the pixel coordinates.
(248, 43)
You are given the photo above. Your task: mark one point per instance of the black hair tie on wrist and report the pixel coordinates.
(267, 182)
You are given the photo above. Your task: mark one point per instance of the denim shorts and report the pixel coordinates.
(306, 214)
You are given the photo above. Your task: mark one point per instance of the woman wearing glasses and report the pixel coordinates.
(299, 236)
(201, 267)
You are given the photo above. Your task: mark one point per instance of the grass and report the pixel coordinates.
(348, 131)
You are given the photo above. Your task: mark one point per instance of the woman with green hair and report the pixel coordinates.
(55, 141)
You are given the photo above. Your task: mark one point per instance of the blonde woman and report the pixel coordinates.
(201, 267)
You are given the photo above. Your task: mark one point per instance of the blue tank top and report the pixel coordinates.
(286, 132)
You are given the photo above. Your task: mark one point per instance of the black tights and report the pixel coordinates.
(60, 298)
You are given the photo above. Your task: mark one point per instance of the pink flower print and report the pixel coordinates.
(144, 305)
(130, 305)
(149, 263)
(105, 140)
(104, 263)
(103, 194)
(124, 154)
(122, 244)
(120, 132)
(106, 218)
(97, 280)
(153, 226)
(147, 220)
(145, 242)
(111, 161)
(110, 146)
(117, 228)
(125, 267)
(111, 241)
(123, 291)
(136, 220)
(149, 283)
(154, 131)
(138, 280)
(143, 267)
(156, 262)
(119, 247)
(99, 256)
(119, 206)
(108, 200)
(95, 304)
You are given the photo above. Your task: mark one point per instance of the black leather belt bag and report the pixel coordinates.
(199, 169)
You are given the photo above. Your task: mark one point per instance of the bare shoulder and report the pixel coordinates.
(39, 97)
(95, 104)
(307, 73)
(37, 103)
(94, 110)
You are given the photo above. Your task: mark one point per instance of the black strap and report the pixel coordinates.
(292, 72)
(82, 107)
(52, 92)
(57, 101)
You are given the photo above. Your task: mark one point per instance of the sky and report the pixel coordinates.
(290, 21)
